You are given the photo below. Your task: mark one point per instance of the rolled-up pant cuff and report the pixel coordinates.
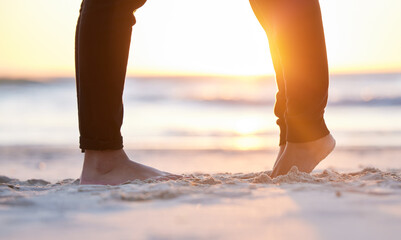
(305, 129)
(96, 144)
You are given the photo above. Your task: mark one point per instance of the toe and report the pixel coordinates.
(278, 170)
(274, 172)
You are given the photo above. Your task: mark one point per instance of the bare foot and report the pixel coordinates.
(306, 156)
(113, 167)
(280, 152)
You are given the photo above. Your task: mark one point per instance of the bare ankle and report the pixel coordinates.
(328, 139)
(103, 161)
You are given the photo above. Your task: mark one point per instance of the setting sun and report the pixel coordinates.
(183, 37)
(184, 131)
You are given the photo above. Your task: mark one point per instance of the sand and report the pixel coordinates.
(330, 203)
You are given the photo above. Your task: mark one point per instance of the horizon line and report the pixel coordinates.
(195, 75)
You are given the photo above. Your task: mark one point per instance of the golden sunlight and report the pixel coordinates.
(184, 37)
(249, 143)
(248, 126)
(220, 43)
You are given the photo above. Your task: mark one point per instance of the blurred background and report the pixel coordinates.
(199, 78)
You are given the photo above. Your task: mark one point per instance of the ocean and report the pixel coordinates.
(220, 135)
(201, 113)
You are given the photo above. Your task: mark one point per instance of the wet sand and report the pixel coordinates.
(358, 198)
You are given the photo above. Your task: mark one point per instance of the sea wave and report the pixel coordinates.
(379, 101)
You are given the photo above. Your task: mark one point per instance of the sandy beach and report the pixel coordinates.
(206, 84)
(216, 201)
(223, 140)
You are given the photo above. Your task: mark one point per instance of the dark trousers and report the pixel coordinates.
(295, 32)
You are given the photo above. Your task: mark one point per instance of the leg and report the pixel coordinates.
(296, 30)
(280, 105)
(102, 44)
(103, 39)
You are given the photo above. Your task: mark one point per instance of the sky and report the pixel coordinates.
(189, 37)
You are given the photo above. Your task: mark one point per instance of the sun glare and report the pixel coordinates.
(184, 37)
(248, 126)
(249, 143)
